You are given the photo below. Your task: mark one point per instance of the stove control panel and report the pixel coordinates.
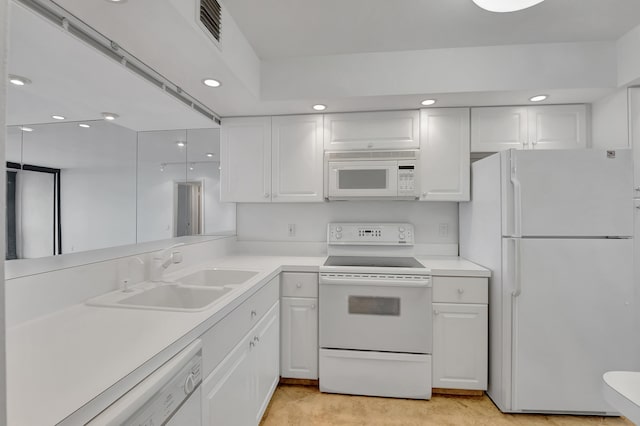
(370, 234)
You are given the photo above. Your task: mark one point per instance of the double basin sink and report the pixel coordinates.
(193, 292)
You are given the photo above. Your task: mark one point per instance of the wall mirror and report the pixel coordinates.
(78, 181)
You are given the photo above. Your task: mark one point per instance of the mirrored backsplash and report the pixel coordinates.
(74, 188)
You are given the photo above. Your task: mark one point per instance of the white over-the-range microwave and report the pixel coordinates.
(371, 175)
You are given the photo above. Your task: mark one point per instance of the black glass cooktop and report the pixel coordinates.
(373, 261)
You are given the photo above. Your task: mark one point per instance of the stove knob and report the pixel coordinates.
(401, 236)
(338, 228)
(338, 236)
(401, 229)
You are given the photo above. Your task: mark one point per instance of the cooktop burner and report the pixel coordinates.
(373, 261)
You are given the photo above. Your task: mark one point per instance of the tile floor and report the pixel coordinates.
(294, 405)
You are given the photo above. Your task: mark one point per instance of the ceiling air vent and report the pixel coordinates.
(211, 17)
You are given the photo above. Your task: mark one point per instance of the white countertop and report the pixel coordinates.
(622, 391)
(84, 357)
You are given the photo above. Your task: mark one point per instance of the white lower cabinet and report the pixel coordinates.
(299, 338)
(238, 390)
(460, 346)
(460, 333)
(299, 326)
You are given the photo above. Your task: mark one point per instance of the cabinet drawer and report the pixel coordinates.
(460, 290)
(218, 341)
(299, 284)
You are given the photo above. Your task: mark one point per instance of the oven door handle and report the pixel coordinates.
(426, 282)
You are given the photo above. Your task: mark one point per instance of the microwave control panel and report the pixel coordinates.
(406, 179)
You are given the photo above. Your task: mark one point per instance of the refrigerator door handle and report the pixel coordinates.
(517, 203)
(517, 256)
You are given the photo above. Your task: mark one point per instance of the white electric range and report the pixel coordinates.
(375, 313)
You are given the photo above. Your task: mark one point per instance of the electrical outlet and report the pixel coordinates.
(292, 229)
(443, 229)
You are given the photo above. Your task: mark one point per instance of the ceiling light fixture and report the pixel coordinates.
(209, 154)
(109, 116)
(428, 102)
(84, 125)
(57, 117)
(319, 107)
(538, 98)
(181, 144)
(162, 166)
(192, 166)
(18, 81)
(116, 1)
(211, 82)
(26, 129)
(505, 5)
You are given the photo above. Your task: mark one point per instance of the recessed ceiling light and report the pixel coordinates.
(209, 154)
(319, 107)
(192, 166)
(428, 102)
(506, 5)
(26, 129)
(57, 117)
(18, 81)
(162, 166)
(84, 125)
(211, 82)
(538, 98)
(181, 144)
(109, 116)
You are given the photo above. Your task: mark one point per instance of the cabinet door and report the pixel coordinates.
(460, 346)
(557, 126)
(228, 393)
(444, 154)
(245, 159)
(297, 158)
(299, 338)
(498, 128)
(371, 130)
(634, 135)
(266, 360)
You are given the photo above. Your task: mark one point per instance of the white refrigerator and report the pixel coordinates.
(555, 227)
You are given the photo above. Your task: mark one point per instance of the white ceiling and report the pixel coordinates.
(76, 81)
(291, 28)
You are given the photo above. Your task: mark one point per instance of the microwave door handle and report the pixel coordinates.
(422, 282)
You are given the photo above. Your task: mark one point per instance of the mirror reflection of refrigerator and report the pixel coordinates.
(555, 228)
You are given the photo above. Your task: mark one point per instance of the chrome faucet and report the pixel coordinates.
(162, 260)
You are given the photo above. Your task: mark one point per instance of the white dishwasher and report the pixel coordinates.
(168, 396)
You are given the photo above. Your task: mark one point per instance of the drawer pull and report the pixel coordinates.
(436, 312)
(460, 290)
(313, 306)
(256, 339)
(251, 344)
(253, 314)
(299, 285)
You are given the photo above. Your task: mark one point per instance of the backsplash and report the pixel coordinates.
(435, 223)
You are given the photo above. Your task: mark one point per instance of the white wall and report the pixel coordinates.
(269, 222)
(98, 207)
(609, 122)
(477, 69)
(34, 214)
(4, 25)
(628, 47)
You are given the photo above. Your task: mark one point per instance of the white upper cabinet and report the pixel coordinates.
(444, 154)
(245, 159)
(528, 127)
(371, 130)
(297, 162)
(498, 128)
(557, 126)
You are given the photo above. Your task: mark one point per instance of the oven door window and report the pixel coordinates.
(367, 305)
